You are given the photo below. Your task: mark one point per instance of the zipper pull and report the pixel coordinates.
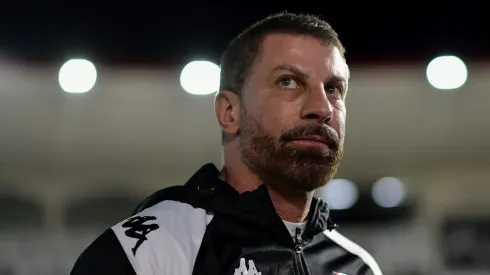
(298, 247)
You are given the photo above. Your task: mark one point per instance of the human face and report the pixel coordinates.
(292, 118)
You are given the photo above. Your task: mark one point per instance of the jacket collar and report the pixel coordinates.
(254, 207)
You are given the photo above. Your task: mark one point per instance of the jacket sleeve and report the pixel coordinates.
(104, 256)
(355, 249)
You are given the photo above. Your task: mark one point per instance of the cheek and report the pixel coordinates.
(340, 117)
(275, 121)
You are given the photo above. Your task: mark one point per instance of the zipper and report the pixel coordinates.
(298, 241)
(300, 269)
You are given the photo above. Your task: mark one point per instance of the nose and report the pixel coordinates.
(317, 107)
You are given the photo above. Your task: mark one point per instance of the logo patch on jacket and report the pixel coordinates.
(242, 269)
(137, 229)
(338, 273)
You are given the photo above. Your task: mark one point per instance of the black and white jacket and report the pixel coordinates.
(207, 228)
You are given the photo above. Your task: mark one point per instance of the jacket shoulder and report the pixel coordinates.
(103, 256)
(164, 237)
(173, 193)
(355, 249)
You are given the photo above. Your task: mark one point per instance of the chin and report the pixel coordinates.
(310, 179)
(308, 183)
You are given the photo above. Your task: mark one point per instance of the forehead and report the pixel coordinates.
(304, 52)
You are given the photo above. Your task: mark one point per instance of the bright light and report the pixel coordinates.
(447, 72)
(339, 194)
(389, 192)
(200, 78)
(77, 76)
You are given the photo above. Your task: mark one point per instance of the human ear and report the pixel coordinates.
(227, 108)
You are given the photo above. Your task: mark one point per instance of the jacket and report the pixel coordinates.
(205, 227)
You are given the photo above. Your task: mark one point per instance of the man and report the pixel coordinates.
(281, 108)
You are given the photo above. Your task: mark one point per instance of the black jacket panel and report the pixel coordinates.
(206, 227)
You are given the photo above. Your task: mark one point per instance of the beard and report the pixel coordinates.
(279, 164)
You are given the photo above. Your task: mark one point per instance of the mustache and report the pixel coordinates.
(313, 129)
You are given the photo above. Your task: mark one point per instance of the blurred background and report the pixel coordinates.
(101, 107)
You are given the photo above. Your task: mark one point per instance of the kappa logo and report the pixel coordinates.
(242, 269)
(137, 229)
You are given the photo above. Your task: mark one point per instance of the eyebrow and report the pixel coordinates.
(296, 71)
(337, 79)
(292, 69)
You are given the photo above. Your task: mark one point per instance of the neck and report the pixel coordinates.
(290, 204)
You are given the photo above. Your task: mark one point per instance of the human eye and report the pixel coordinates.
(334, 90)
(288, 82)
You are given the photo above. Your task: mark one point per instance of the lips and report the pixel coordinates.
(312, 134)
(314, 138)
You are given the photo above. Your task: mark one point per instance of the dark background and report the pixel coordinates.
(173, 32)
